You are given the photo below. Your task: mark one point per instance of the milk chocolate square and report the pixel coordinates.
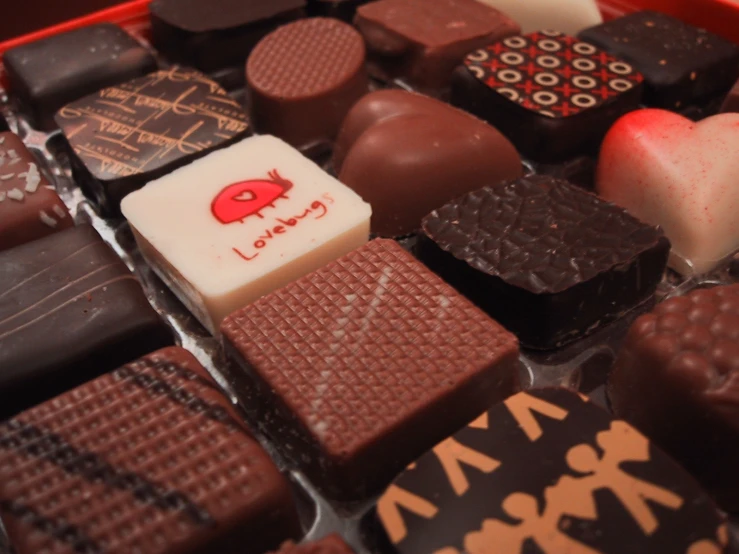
(30, 208)
(150, 458)
(359, 367)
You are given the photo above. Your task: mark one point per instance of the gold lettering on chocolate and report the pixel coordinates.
(388, 510)
(453, 454)
(522, 405)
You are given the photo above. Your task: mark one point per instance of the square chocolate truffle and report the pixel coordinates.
(422, 42)
(47, 74)
(548, 471)
(547, 259)
(150, 458)
(681, 64)
(552, 95)
(69, 310)
(363, 365)
(30, 208)
(677, 380)
(124, 136)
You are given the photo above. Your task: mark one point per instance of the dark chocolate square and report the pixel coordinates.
(124, 136)
(361, 366)
(548, 471)
(547, 259)
(149, 458)
(69, 310)
(552, 95)
(681, 64)
(47, 74)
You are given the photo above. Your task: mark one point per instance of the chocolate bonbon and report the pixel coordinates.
(150, 459)
(681, 64)
(29, 206)
(241, 222)
(332, 544)
(69, 310)
(216, 34)
(552, 95)
(124, 136)
(303, 78)
(407, 154)
(359, 367)
(669, 171)
(414, 39)
(677, 380)
(548, 471)
(47, 74)
(548, 260)
(568, 16)
(731, 102)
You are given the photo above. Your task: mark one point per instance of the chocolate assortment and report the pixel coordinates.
(456, 219)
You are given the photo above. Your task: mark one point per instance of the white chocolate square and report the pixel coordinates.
(567, 16)
(241, 222)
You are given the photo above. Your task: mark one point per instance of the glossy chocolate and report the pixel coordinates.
(47, 74)
(29, 206)
(548, 260)
(407, 154)
(122, 137)
(414, 39)
(303, 78)
(681, 64)
(553, 96)
(332, 544)
(218, 33)
(361, 366)
(69, 310)
(731, 102)
(150, 459)
(677, 380)
(547, 471)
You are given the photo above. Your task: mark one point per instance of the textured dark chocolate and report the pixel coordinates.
(361, 366)
(69, 310)
(149, 459)
(422, 42)
(681, 64)
(579, 171)
(303, 78)
(731, 102)
(29, 206)
(407, 154)
(552, 95)
(122, 137)
(547, 259)
(547, 471)
(332, 544)
(218, 33)
(677, 380)
(47, 74)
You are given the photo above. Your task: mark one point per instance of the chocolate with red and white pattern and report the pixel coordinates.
(547, 87)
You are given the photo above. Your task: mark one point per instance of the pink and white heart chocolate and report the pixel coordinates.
(684, 176)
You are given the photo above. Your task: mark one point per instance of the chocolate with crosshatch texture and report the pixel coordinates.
(360, 367)
(552, 95)
(547, 471)
(151, 458)
(124, 136)
(547, 259)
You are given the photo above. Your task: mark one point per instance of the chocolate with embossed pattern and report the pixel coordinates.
(361, 366)
(548, 260)
(677, 379)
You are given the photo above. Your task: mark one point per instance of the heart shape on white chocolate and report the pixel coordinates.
(684, 176)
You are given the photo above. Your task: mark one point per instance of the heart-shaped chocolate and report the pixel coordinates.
(408, 154)
(684, 176)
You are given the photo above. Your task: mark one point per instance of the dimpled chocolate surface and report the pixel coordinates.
(677, 379)
(364, 364)
(332, 544)
(150, 459)
(549, 245)
(304, 77)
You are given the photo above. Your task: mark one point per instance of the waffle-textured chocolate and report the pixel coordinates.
(150, 459)
(332, 544)
(677, 379)
(361, 366)
(304, 77)
(547, 259)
